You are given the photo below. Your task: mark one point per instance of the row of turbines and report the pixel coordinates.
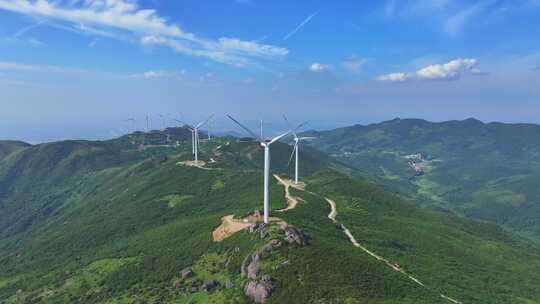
(265, 143)
(195, 140)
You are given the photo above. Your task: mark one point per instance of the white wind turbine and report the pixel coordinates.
(266, 144)
(195, 136)
(295, 150)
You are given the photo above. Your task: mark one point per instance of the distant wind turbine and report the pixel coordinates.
(295, 150)
(147, 123)
(195, 135)
(266, 144)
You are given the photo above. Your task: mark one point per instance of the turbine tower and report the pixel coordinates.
(266, 144)
(195, 136)
(295, 150)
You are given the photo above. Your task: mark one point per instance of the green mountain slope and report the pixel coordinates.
(485, 171)
(8, 146)
(116, 222)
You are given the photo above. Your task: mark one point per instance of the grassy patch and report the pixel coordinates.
(174, 200)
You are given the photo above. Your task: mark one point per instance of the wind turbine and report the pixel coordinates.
(295, 152)
(266, 144)
(195, 135)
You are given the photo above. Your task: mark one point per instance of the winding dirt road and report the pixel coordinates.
(292, 201)
(230, 226)
(333, 210)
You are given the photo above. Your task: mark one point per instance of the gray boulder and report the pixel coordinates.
(209, 285)
(186, 273)
(259, 291)
(295, 236)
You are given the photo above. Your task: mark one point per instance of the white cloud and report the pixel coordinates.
(91, 16)
(354, 63)
(447, 71)
(318, 67)
(450, 70)
(394, 77)
(159, 74)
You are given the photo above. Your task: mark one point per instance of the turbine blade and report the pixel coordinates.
(204, 122)
(279, 137)
(293, 130)
(306, 138)
(301, 125)
(292, 155)
(245, 128)
(185, 124)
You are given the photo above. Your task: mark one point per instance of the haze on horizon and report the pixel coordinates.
(79, 69)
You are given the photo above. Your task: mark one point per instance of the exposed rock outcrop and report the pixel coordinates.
(252, 263)
(209, 285)
(295, 236)
(259, 290)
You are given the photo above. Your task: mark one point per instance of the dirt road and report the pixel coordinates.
(292, 201)
(332, 216)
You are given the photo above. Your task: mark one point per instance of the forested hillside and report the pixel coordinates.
(487, 171)
(120, 221)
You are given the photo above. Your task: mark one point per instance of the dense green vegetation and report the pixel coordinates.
(484, 171)
(8, 147)
(116, 222)
(446, 252)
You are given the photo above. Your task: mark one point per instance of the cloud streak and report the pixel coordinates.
(161, 74)
(300, 26)
(92, 16)
(22, 67)
(456, 22)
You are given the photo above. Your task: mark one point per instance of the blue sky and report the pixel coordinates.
(80, 68)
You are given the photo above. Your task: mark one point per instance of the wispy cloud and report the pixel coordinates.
(226, 50)
(452, 16)
(448, 71)
(95, 17)
(300, 26)
(26, 29)
(354, 63)
(160, 74)
(394, 77)
(456, 22)
(22, 67)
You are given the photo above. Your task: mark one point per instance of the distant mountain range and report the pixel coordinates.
(487, 171)
(131, 220)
